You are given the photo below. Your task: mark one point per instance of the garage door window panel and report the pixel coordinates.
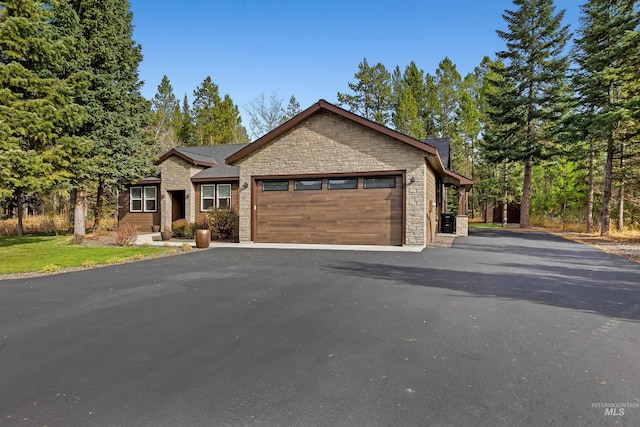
(380, 182)
(343, 184)
(307, 184)
(275, 186)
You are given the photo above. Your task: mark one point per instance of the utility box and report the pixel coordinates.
(447, 223)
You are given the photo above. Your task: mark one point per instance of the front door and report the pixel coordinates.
(177, 205)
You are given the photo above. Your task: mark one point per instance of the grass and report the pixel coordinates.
(484, 225)
(21, 254)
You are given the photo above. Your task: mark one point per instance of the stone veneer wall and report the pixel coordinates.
(327, 143)
(176, 175)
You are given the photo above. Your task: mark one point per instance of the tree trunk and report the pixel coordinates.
(79, 215)
(605, 218)
(526, 195)
(620, 224)
(99, 205)
(505, 200)
(590, 188)
(71, 210)
(20, 204)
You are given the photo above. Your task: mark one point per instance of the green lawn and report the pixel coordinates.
(484, 225)
(19, 254)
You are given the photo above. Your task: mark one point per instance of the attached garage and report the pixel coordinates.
(345, 209)
(328, 176)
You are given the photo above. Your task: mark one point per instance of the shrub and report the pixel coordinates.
(223, 223)
(126, 234)
(183, 228)
(115, 260)
(89, 263)
(186, 247)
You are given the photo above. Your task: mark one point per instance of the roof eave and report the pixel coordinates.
(174, 152)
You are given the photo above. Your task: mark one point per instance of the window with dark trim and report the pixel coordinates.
(380, 182)
(143, 199)
(275, 185)
(307, 184)
(342, 183)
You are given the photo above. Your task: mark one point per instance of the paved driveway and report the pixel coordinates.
(504, 328)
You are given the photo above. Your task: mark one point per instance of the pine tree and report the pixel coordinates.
(535, 74)
(371, 96)
(608, 82)
(447, 81)
(185, 124)
(165, 111)
(409, 101)
(37, 112)
(292, 110)
(216, 120)
(118, 113)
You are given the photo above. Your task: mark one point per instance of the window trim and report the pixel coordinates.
(143, 199)
(203, 198)
(342, 179)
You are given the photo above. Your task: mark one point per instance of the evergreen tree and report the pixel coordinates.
(409, 101)
(371, 96)
(292, 110)
(118, 113)
(447, 82)
(184, 125)
(37, 114)
(608, 82)
(165, 112)
(535, 76)
(216, 120)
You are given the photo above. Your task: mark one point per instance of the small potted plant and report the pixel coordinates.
(166, 234)
(155, 228)
(203, 234)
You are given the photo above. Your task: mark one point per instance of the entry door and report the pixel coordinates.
(177, 205)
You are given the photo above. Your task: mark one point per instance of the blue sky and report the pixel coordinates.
(310, 49)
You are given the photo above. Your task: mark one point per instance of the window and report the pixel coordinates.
(343, 184)
(223, 199)
(380, 182)
(143, 199)
(307, 184)
(149, 199)
(275, 185)
(207, 197)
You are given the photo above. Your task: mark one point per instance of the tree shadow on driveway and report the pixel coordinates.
(560, 274)
(588, 290)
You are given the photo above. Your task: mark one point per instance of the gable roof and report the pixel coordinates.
(206, 155)
(211, 155)
(322, 105)
(443, 146)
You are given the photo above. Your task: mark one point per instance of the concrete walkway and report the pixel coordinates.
(153, 239)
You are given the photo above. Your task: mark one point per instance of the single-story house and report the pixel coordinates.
(325, 176)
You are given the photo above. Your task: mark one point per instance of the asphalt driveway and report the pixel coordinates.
(504, 328)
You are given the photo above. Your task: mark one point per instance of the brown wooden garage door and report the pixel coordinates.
(330, 210)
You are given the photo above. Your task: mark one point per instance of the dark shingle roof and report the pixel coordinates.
(210, 155)
(442, 145)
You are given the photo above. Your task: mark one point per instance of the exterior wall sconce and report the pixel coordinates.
(186, 196)
(412, 180)
(245, 185)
